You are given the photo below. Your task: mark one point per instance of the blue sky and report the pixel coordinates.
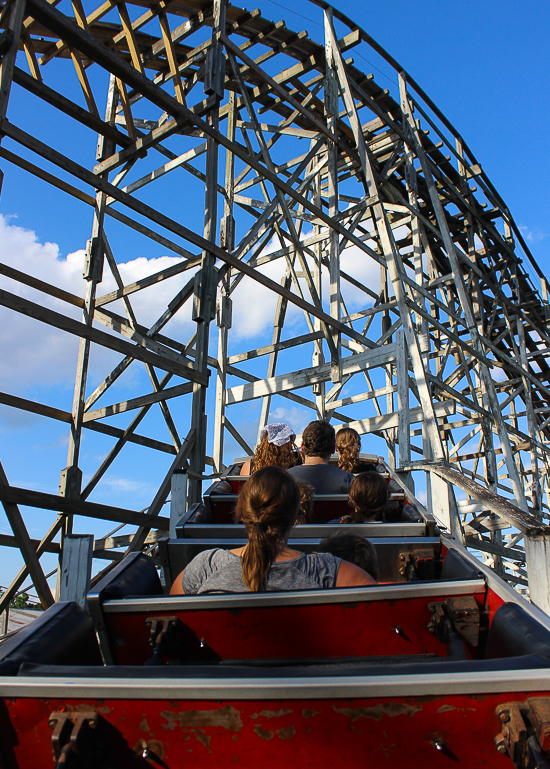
(484, 65)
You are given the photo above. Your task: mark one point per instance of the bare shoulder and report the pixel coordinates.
(350, 575)
(177, 587)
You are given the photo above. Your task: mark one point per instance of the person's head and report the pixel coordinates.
(268, 505)
(368, 496)
(352, 548)
(307, 497)
(348, 446)
(318, 439)
(276, 447)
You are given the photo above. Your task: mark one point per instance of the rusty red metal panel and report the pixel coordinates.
(308, 632)
(422, 731)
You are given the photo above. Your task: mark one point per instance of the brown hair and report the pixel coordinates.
(368, 496)
(348, 444)
(319, 439)
(352, 548)
(267, 505)
(269, 454)
(307, 496)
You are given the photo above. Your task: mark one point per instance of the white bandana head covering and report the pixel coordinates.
(278, 433)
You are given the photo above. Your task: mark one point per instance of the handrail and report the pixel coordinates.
(525, 522)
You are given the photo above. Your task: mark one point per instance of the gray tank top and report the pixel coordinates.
(219, 571)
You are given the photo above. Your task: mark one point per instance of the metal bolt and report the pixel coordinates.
(438, 745)
(504, 717)
(500, 743)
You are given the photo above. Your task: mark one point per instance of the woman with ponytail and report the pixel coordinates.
(267, 505)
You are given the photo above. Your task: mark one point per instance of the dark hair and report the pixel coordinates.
(267, 505)
(368, 496)
(319, 439)
(307, 497)
(352, 548)
(348, 444)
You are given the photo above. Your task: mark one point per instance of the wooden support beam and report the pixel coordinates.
(25, 545)
(305, 377)
(11, 495)
(52, 318)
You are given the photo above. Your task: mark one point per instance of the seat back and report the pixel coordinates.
(313, 625)
(134, 575)
(395, 544)
(514, 633)
(63, 634)
(455, 566)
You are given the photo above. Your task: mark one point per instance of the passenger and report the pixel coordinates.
(267, 505)
(368, 497)
(307, 497)
(354, 549)
(318, 444)
(348, 446)
(276, 447)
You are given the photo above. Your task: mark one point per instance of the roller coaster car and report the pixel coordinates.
(442, 664)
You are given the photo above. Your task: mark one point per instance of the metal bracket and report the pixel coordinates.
(421, 564)
(525, 734)
(163, 637)
(464, 616)
(74, 734)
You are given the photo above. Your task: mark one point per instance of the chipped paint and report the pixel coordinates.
(263, 734)
(287, 733)
(446, 708)
(203, 738)
(311, 713)
(85, 707)
(377, 712)
(271, 713)
(228, 717)
(144, 726)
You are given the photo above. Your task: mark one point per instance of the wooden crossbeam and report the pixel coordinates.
(68, 506)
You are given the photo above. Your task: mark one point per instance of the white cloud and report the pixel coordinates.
(35, 354)
(294, 416)
(533, 235)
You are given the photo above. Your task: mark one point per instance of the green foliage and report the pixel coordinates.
(22, 601)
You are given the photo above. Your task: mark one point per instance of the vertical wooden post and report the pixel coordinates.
(536, 492)
(272, 365)
(76, 568)
(403, 429)
(537, 555)
(331, 112)
(318, 388)
(178, 499)
(7, 64)
(71, 476)
(205, 285)
(224, 303)
(393, 260)
(464, 298)
(4, 622)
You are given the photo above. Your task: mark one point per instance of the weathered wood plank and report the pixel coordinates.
(43, 314)
(76, 568)
(67, 506)
(305, 377)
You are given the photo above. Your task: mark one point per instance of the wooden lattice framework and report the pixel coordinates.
(292, 143)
